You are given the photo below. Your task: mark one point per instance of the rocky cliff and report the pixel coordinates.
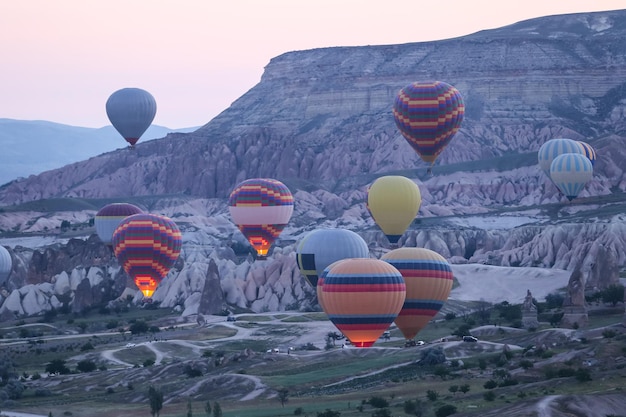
(321, 122)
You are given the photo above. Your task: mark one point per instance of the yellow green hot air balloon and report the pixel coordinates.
(393, 202)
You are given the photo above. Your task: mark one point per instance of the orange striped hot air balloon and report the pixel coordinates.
(362, 297)
(428, 279)
(261, 208)
(147, 246)
(428, 114)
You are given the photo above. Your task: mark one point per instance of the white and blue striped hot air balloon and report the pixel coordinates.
(6, 264)
(570, 172)
(588, 151)
(553, 148)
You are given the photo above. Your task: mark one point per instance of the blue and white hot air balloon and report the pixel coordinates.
(570, 172)
(6, 264)
(553, 148)
(321, 247)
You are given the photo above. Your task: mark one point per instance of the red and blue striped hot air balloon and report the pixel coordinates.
(428, 114)
(261, 208)
(110, 216)
(588, 151)
(362, 297)
(428, 279)
(147, 246)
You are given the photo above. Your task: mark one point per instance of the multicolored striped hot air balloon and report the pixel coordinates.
(428, 278)
(553, 148)
(131, 112)
(362, 297)
(6, 264)
(147, 246)
(570, 172)
(428, 115)
(393, 202)
(588, 151)
(110, 216)
(261, 208)
(322, 247)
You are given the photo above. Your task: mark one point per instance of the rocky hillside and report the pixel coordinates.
(320, 121)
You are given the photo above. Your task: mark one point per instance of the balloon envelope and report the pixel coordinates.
(393, 202)
(6, 264)
(261, 208)
(131, 111)
(588, 151)
(428, 114)
(362, 297)
(570, 172)
(110, 216)
(428, 278)
(147, 246)
(322, 247)
(553, 148)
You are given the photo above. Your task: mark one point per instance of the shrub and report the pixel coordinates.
(378, 402)
(583, 375)
(445, 410)
(491, 384)
(432, 395)
(489, 396)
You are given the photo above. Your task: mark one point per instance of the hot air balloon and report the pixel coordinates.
(110, 216)
(322, 247)
(588, 151)
(6, 264)
(131, 111)
(570, 172)
(393, 202)
(362, 297)
(553, 148)
(147, 246)
(261, 208)
(428, 278)
(428, 114)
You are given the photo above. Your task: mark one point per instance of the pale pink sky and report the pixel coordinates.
(61, 59)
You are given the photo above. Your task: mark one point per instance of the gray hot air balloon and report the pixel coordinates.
(131, 111)
(5, 264)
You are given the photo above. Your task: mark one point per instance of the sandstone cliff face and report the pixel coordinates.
(321, 122)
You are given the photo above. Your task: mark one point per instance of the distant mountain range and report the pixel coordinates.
(31, 147)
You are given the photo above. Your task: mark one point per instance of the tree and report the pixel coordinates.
(554, 301)
(138, 327)
(453, 389)
(207, 408)
(189, 411)
(464, 388)
(217, 410)
(57, 366)
(155, 397)
(432, 395)
(613, 294)
(86, 366)
(378, 402)
(283, 396)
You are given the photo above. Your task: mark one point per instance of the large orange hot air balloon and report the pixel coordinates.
(147, 246)
(362, 297)
(261, 208)
(428, 114)
(428, 278)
